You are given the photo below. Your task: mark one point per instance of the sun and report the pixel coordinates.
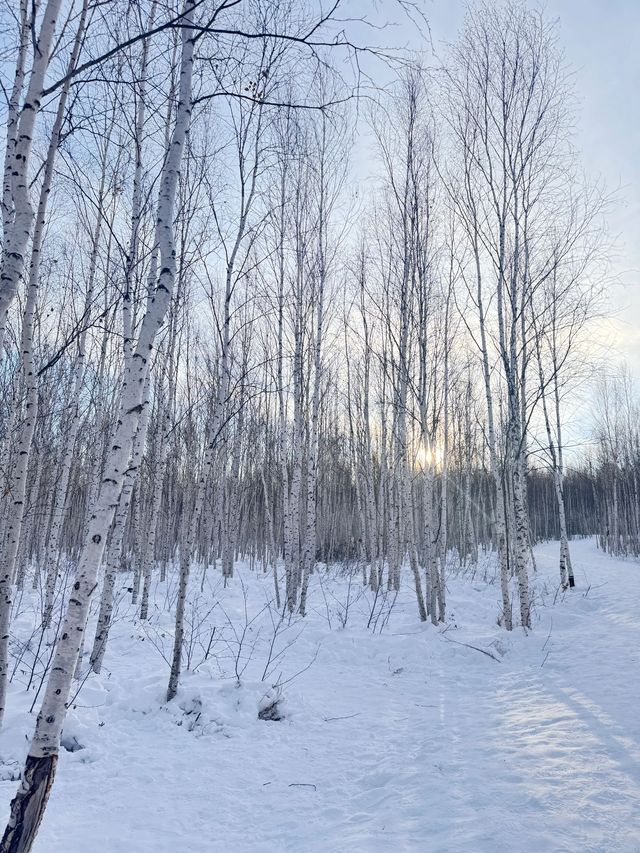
(428, 456)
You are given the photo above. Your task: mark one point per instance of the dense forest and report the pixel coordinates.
(272, 294)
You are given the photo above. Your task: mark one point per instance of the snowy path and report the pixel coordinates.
(399, 742)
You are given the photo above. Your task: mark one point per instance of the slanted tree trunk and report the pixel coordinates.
(17, 234)
(15, 245)
(13, 105)
(28, 806)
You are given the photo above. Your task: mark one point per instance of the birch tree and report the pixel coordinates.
(18, 161)
(30, 802)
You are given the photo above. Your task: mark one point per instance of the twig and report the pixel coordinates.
(347, 717)
(469, 646)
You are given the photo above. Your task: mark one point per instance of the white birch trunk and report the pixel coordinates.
(19, 230)
(500, 520)
(13, 105)
(114, 550)
(12, 271)
(30, 802)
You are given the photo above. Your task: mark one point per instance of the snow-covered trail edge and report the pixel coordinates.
(403, 741)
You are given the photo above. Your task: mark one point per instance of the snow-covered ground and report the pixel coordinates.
(395, 737)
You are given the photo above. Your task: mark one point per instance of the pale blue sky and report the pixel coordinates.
(601, 40)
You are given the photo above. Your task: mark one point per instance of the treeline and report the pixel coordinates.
(590, 492)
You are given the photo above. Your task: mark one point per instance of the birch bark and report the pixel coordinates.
(13, 105)
(17, 235)
(30, 801)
